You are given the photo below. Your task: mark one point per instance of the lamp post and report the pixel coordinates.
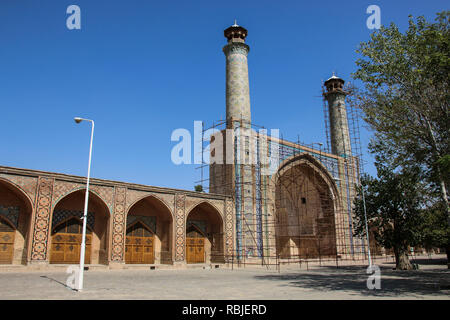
(86, 198)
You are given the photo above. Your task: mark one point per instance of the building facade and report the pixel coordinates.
(301, 209)
(126, 224)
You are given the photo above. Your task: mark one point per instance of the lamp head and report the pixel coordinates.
(77, 119)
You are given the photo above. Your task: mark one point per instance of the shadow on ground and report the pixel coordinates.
(59, 282)
(427, 261)
(353, 279)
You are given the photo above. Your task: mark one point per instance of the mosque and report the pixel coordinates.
(301, 210)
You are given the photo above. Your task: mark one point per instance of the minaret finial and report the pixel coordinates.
(235, 23)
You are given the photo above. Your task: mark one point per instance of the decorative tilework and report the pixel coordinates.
(105, 193)
(236, 48)
(42, 219)
(237, 87)
(62, 215)
(11, 214)
(44, 192)
(229, 227)
(148, 221)
(180, 229)
(63, 188)
(117, 248)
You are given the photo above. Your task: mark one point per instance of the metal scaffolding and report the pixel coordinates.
(302, 212)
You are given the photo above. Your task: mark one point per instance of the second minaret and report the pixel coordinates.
(339, 131)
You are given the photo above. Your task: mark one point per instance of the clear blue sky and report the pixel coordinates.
(141, 69)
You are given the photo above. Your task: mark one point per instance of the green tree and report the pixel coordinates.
(199, 188)
(435, 231)
(394, 201)
(406, 96)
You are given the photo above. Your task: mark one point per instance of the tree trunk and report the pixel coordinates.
(401, 260)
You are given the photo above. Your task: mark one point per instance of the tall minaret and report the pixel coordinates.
(339, 132)
(237, 94)
(341, 146)
(239, 179)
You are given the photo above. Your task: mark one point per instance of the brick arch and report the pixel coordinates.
(219, 212)
(29, 211)
(100, 230)
(150, 195)
(91, 193)
(21, 192)
(163, 243)
(78, 188)
(315, 165)
(327, 190)
(215, 235)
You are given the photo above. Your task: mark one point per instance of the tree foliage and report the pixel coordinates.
(406, 95)
(435, 231)
(394, 201)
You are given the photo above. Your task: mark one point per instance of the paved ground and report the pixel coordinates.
(348, 282)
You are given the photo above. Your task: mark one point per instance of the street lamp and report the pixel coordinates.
(86, 198)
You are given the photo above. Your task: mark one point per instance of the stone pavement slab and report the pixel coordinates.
(348, 282)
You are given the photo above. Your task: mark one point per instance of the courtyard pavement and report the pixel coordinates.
(291, 283)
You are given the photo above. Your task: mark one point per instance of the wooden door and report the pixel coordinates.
(195, 250)
(139, 246)
(195, 246)
(7, 234)
(66, 243)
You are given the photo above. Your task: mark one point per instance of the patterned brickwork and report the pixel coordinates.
(63, 188)
(229, 212)
(105, 193)
(42, 219)
(27, 184)
(191, 203)
(180, 200)
(134, 196)
(45, 191)
(118, 232)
